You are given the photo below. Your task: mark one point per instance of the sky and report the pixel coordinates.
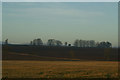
(65, 21)
(60, 0)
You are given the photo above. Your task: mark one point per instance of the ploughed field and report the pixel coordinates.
(59, 69)
(58, 62)
(49, 53)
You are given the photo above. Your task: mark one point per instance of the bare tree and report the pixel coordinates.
(58, 43)
(34, 42)
(92, 43)
(83, 43)
(6, 42)
(51, 42)
(39, 41)
(80, 43)
(65, 43)
(87, 44)
(31, 42)
(105, 44)
(76, 43)
(108, 44)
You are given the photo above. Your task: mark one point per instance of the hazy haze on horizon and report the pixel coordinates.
(23, 22)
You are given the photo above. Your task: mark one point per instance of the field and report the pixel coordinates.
(60, 69)
(21, 61)
(49, 53)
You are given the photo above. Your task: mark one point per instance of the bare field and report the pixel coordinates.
(60, 69)
(53, 53)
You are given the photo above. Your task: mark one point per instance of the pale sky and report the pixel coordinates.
(60, 0)
(65, 21)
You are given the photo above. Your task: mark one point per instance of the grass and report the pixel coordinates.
(60, 69)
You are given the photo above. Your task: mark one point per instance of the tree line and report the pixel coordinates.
(77, 43)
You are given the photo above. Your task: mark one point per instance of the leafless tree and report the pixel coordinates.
(76, 43)
(39, 41)
(65, 43)
(6, 41)
(58, 43)
(84, 43)
(105, 44)
(51, 42)
(92, 43)
(31, 42)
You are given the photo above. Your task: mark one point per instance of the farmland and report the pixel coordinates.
(49, 53)
(58, 62)
(60, 69)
